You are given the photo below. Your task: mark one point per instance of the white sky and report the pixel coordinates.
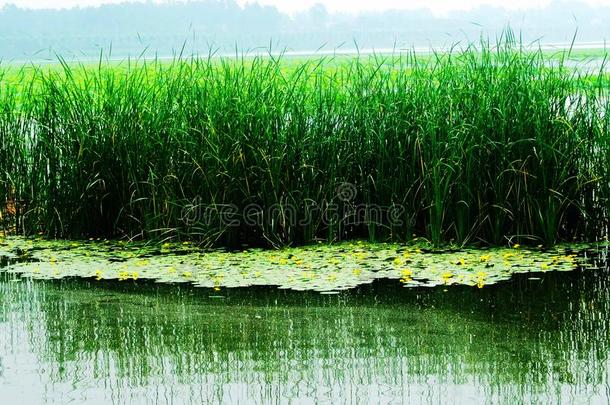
(292, 6)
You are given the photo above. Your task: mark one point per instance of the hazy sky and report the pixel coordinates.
(292, 6)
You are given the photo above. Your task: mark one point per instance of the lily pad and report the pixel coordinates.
(323, 268)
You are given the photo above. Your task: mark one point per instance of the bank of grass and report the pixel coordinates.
(481, 145)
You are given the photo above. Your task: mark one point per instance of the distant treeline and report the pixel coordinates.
(164, 28)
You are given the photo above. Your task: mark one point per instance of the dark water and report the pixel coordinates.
(537, 339)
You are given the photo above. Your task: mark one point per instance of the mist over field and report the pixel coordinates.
(195, 27)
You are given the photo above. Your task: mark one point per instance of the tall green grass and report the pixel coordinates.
(482, 145)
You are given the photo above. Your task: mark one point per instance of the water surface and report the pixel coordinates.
(537, 338)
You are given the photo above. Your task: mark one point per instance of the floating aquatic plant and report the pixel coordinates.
(323, 268)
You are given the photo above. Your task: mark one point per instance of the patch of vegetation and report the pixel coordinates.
(323, 268)
(482, 146)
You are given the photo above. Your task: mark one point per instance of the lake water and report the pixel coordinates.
(541, 337)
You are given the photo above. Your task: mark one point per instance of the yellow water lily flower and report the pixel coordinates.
(485, 258)
(360, 255)
(406, 276)
(135, 275)
(98, 275)
(406, 273)
(357, 272)
(516, 246)
(569, 258)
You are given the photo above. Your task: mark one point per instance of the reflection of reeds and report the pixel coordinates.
(477, 145)
(124, 339)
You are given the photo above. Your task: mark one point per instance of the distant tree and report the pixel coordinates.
(164, 27)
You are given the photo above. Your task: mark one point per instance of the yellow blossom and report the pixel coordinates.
(406, 273)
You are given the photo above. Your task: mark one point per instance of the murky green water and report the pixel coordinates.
(536, 338)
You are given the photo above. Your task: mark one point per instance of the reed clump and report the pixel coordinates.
(479, 145)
